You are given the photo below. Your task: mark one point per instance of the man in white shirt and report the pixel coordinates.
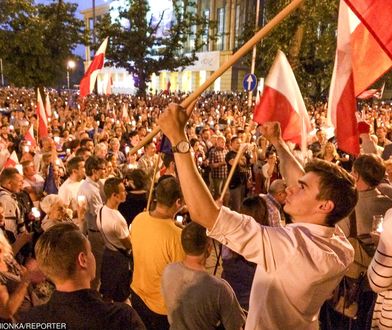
(116, 268)
(91, 189)
(298, 266)
(68, 191)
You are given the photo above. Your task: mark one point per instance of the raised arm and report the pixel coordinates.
(201, 205)
(290, 168)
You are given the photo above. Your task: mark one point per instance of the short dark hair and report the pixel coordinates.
(111, 186)
(92, 163)
(336, 185)
(84, 141)
(194, 239)
(235, 137)
(8, 174)
(167, 159)
(138, 177)
(371, 168)
(256, 207)
(81, 151)
(168, 191)
(58, 248)
(73, 164)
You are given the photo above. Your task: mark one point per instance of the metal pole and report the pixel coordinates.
(94, 20)
(252, 68)
(67, 77)
(1, 70)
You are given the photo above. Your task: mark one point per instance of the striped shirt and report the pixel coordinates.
(380, 277)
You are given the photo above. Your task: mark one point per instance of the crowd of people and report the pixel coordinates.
(95, 235)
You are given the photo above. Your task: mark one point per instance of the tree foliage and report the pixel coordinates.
(307, 37)
(37, 40)
(144, 46)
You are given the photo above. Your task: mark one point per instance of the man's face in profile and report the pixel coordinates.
(301, 201)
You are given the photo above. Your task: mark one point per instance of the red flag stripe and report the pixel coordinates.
(282, 101)
(290, 121)
(29, 136)
(42, 120)
(88, 81)
(376, 16)
(346, 131)
(369, 61)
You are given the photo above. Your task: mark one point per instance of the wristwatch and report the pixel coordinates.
(182, 147)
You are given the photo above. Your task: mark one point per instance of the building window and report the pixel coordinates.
(237, 26)
(221, 29)
(205, 37)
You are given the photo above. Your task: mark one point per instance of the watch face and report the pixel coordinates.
(183, 146)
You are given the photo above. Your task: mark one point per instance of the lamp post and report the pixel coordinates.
(1, 71)
(70, 65)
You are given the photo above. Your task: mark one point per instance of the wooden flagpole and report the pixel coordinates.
(246, 48)
(233, 168)
(153, 181)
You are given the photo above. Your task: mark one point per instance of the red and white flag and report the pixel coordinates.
(376, 16)
(48, 108)
(282, 101)
(359, 62)
(12, 160)
(88, 81)
(370, 93)
(29, 136)
(42, 119)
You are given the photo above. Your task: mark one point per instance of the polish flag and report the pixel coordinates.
(48, 108)
(88, 81)
(29, 136)
(12, 160)
(359, 62)
(376, 16)
(42, 120)
(282, 101)
(370, 93)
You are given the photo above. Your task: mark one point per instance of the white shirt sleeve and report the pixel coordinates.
(268, 247)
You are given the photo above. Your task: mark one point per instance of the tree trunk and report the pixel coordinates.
(295, 48)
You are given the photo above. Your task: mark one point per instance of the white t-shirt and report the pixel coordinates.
(68, 192)
(114, 228)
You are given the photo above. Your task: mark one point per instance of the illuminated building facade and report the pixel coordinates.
(229, 15)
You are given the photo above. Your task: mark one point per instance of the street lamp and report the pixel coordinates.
(70, 66)
(1, 72)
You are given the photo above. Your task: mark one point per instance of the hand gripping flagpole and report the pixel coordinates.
(246, 48)
(233, 168)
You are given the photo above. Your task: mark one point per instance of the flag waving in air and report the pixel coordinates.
(376, 16)
(282, 101)
(29, 136)
(360, 61)
(42, 119)
(88, 81)
(12, 160)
